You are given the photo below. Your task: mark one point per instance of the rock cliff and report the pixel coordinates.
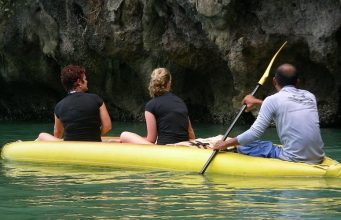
(216, 51)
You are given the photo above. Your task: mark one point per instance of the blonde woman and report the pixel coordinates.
(166, 114)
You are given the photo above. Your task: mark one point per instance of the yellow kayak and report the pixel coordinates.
(180, 158)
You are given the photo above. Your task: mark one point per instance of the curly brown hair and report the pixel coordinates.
(158, 82)
(69, 76)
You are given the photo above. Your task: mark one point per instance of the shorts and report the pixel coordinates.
(260, 149)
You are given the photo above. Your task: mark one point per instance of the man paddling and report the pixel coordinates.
(295, 114)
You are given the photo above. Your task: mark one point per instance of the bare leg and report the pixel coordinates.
(129, 137)
(47, 137)
(111, 139)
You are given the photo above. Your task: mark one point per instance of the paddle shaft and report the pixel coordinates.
(260, 83)
(242, 109)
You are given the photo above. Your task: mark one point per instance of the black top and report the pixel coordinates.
(171, 118)
(79, 113)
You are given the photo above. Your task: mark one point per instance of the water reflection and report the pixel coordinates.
(106, 193)
(72, 174)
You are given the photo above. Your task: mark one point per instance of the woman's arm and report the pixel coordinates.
(151, 127)
(105, 119)
(58, 127)
(191, 134)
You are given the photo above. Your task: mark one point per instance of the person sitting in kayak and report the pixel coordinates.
(166, 114)
(80, 116)
(296, 117)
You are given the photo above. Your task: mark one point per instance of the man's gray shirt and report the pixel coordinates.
(295, 114)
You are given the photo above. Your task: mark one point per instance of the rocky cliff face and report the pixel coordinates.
(216, 51)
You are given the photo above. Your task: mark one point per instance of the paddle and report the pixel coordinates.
(260, 83)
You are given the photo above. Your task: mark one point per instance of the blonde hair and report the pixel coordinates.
(158, 82)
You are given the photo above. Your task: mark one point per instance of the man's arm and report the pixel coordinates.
(222, 145)
(250, 101)
(257, 129)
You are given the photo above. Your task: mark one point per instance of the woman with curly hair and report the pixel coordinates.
(166, 114)
(80, 116)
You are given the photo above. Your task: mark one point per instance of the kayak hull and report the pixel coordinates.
(178, 158)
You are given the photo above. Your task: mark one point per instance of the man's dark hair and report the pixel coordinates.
(286, 75)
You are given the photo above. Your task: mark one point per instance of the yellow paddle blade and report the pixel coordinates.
(267, 71)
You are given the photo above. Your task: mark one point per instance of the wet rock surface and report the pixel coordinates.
(216, 51)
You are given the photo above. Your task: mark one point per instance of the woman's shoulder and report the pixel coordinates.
(176, 98)
(170, 95)
(151, 102)
(158, 100)
(92, 97)
(91, 94)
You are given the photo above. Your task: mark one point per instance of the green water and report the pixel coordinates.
(30, 191)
